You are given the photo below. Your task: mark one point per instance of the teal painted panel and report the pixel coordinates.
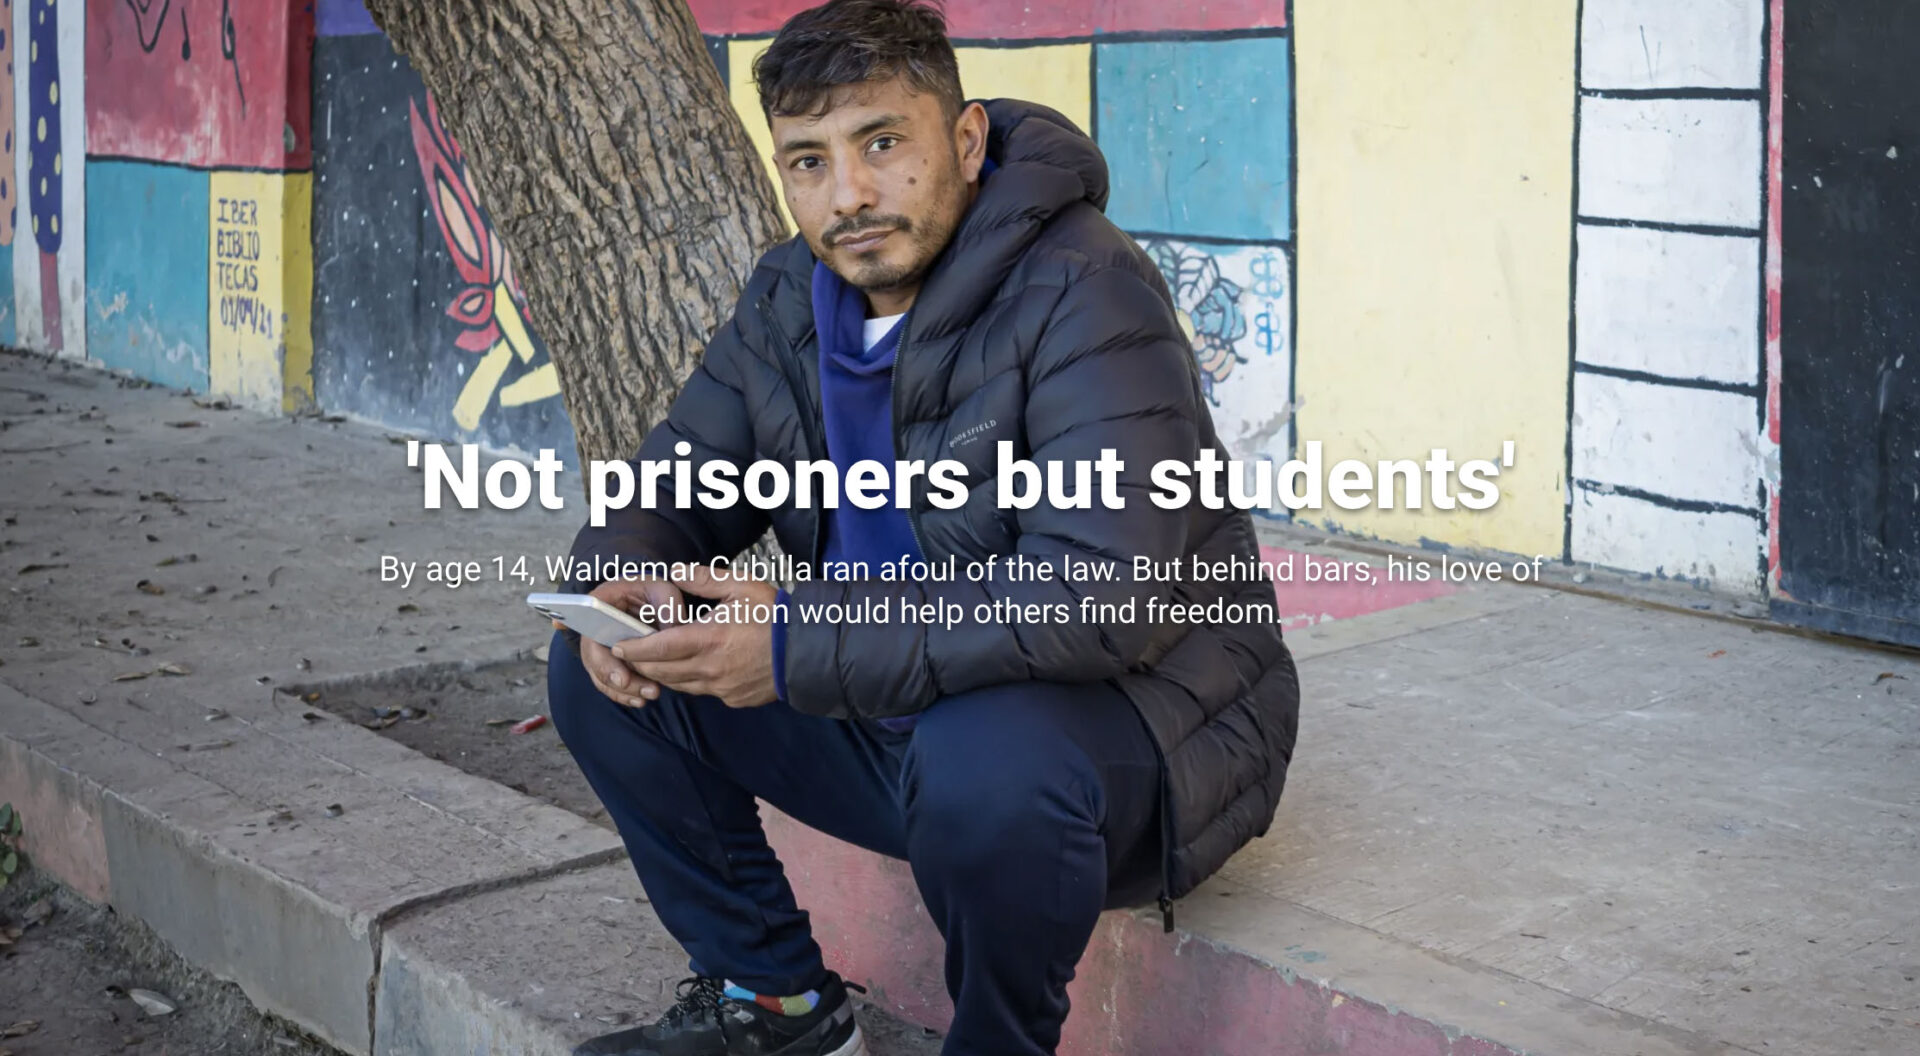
(1197, 136)
(147, 271)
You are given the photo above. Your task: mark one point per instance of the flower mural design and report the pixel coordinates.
(1209, 308)
(491, 305)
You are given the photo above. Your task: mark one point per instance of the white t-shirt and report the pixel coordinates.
(877, 328)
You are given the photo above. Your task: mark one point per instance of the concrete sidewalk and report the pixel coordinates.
(1519, 820)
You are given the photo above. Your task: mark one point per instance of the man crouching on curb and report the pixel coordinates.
(955, 284)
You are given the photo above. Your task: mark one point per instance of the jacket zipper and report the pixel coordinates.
(1166, 831)
(900, 357)
(1166, 796)
(809, 416)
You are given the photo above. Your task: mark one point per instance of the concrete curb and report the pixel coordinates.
(534, 958)
(299, 951)
(1244, 974)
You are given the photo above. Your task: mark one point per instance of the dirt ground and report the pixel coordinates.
(64, 984)
(451, 712)
(449, 722)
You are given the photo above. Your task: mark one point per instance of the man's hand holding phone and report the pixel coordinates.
(729, 660)
(611, 675)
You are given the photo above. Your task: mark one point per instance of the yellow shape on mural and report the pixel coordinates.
(260, 288)
(477, 393)
(1436, 161)
(512, 328)
(1056, 75)
(542, 382)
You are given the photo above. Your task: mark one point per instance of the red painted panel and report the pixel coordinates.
(205, 84)
(1136, 990)
(1316, 594)
(1022, 19)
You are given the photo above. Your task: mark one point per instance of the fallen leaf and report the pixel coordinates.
(154, 1004)
(148, 586)
(1885, 675)
(409, 607)
(27, 569)
(189, 424)
(21, 1029)
(311, 697)
(132, 676)
(382, 722)
(1716, 654)
(311, 716)
(174, 669)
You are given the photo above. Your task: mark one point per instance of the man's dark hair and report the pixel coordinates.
(843, 43)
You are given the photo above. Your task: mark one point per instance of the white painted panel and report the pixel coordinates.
(72, 265)
(1682, 443)
(1670, 303)
(1720, 549)
(29, 320)
(1671, 43)
(1235, 304)
(1684, 161)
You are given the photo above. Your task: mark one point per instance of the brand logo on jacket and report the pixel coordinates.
(971, 433)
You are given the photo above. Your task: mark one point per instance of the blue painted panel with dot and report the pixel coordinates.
(1196, 135)
(45, 164)
(147, 271)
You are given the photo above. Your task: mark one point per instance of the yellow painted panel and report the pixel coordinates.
(1057, 75)
(260, 286)
(746, 100)
(1435, 203)
(296, 366)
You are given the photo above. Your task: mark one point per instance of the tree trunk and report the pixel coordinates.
(605, 149)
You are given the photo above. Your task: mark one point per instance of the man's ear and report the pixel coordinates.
(970, 140)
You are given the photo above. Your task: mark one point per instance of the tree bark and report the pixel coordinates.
(603, 145)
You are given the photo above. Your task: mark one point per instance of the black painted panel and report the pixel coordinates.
(1850, 342)
(385, 346)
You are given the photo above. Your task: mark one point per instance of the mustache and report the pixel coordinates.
(861, 226)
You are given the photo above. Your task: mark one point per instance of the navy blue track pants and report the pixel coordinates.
(1023, 809)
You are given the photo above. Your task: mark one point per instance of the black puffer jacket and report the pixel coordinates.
(1045, 325)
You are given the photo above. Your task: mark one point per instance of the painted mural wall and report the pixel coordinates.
(1389, 226)
(1193, 106)
(418, 317)
(199, 155)
(43, 189)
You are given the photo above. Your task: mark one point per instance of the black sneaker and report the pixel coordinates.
(706, 1022)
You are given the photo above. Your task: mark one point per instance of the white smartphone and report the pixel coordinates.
(589, 616)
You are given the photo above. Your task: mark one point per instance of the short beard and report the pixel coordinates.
(927, 237)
